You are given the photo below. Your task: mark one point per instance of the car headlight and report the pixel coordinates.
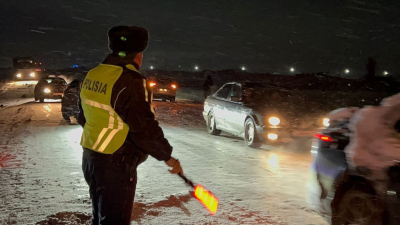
(19, 75)
(326, 122)
(46, 90)
(274, 121)
(272, 136)
(32, 74)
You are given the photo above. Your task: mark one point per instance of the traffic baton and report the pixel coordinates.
(204, 196)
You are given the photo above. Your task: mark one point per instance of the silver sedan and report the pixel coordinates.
(259, 113)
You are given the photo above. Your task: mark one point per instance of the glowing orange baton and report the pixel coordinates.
(209, 201)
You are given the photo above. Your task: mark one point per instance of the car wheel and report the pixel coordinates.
(212, 125)
(41, 100)
(36, 98)
(250, 134)
(357, 205)
(172, 99)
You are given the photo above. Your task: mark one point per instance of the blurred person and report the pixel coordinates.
(69, 102)
(119, 127)
(208, 83)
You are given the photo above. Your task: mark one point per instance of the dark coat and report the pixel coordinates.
(131, 100)
(208, 83)
(70, 99)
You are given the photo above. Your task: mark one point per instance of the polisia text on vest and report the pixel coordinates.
(94, 85)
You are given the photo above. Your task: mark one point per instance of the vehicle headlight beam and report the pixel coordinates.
(272, 136)
(326, 122)
(274, 121)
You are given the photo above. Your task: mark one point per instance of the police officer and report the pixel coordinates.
(208, 83)
(119, 127)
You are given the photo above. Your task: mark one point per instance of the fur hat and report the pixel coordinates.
(128, 39)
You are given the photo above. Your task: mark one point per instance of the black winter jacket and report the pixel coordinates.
(128, 99)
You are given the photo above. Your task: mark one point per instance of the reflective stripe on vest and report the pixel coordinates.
(149, 97)
(104, 130)
(110, 125)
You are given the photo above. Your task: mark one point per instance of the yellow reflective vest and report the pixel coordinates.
(104, 131)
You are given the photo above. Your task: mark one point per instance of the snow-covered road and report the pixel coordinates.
(42, 182)
(16, 93)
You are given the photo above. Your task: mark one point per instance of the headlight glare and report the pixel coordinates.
(274, 121)
(46, 90)
(272, 136)
(326, 122)
(19, 75)
(32, 74)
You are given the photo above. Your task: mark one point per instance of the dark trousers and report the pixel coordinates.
(207, 93)
(110, 188)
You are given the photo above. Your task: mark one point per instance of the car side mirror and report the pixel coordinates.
(235, 98)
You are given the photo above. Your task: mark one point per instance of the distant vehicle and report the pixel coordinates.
(346, 196)
(27, 69)
(50, 88)
(163, 88)
(259, 113)
(69, 102)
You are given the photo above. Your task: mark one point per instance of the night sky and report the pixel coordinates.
(261, 35)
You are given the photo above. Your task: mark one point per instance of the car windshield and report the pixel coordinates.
(164, 81)
(24, 64)
(161, 80)
(54, 81)
(224, 91)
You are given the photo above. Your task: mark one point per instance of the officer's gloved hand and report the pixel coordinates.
(175, 165)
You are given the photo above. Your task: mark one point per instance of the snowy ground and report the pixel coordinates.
(42, 181)
(16, 93)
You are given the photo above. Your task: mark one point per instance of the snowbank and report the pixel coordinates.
(375, 144)
(16, 93)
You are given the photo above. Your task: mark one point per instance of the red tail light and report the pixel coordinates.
(209, 201)
(152, 84)
(173, 86)
(323, 137)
